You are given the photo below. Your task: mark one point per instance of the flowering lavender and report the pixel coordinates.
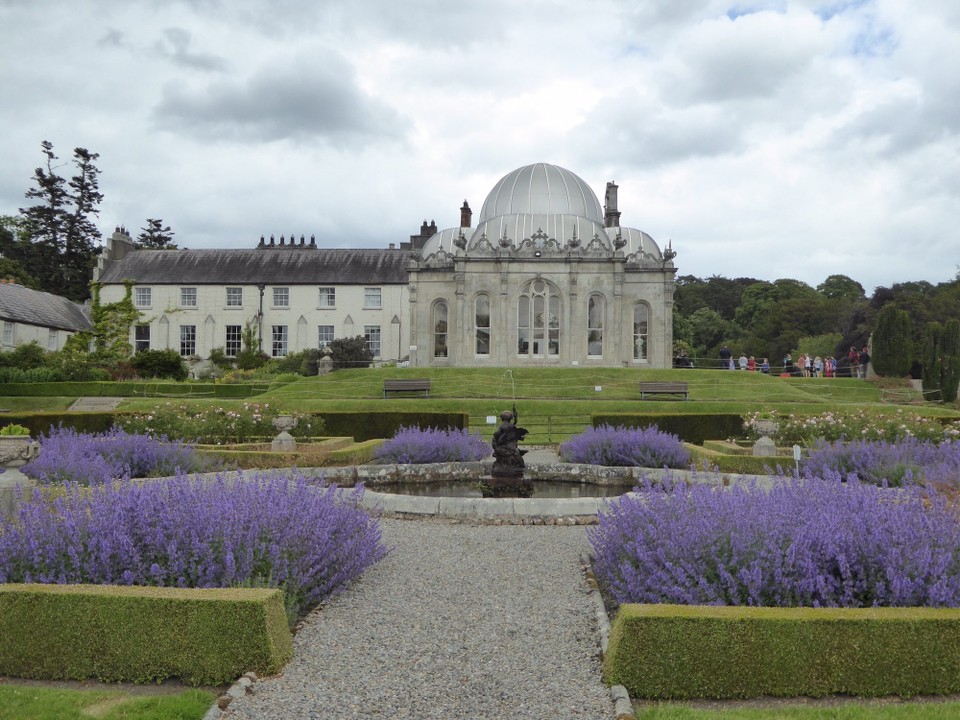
(805, 543)
(267, 530)
(69, 456)
(894, 464)
(626, 447)
(413, 445)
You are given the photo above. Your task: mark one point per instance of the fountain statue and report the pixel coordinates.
(506, 478)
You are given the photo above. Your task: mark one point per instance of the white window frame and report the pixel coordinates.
(327, 297)
(596, 309)
(373, 336)
(481, 331)
(641, 334)
(188, 297)
(281, 297)
(279, 340)
(141, 343)
(52, 337)
(188, 340)
(234, 297)
(143, 297)
(441, 325)
(326, 334)
(372, 298)
(8, 333)
(234, 343)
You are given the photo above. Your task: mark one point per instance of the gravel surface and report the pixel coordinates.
(459, 621)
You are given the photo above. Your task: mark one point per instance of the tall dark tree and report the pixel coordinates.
(155, 236)
(933, 359)
(950, 377)
(892, 343)
(60, 225)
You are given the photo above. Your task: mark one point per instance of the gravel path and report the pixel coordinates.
(459, 621)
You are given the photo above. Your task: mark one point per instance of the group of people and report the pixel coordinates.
(853, 365)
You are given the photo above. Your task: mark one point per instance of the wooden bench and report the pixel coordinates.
(407, 385)
(663, 388)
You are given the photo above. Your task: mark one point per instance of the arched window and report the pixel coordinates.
(440, 329)
(595, 312)
(641, 320)
(481, 321)
(538, 320)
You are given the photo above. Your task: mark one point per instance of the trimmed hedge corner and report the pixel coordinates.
(685, 652)
(141, 634)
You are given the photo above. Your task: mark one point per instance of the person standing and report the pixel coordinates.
(863, 358)
(725, 357)
(818, 366)
(765, 366)
(742, 361)
(752, 364)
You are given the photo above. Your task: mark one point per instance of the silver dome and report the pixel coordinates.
(541, 189)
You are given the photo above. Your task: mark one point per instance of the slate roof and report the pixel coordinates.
(32, 307)
(273, 266)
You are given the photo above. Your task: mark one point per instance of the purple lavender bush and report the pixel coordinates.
(626, 447)
(413, 445)
(904, 462)
(268, 530)
(69, 456)
(806, 543)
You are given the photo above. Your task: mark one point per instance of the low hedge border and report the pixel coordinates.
(684, 652)
(740, 464)
(141, 634)
(691, 428)
(135, 388)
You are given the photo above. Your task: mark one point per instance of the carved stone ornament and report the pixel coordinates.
(460, 240)
(440, 259)
(482, 245)
(15, 450)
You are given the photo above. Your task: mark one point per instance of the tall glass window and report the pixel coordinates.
(538, 320)
(641, 318)
(141, 338)
(51, 339)
(234, 340)
(324, 335)
(595, 308)
(440, 329)
(188, 340)
(372, 334)
(481, 321)
(279, 336)
(281, 297)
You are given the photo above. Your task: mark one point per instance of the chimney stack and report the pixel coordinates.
(466, 215)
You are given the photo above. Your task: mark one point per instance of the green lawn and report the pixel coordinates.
(34, 702)
(845, 710)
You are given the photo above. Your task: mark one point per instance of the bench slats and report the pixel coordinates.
(407, 385)
(664, 388)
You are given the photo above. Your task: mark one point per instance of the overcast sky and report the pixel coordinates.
(765, 139)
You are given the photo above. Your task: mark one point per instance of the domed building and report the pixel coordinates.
(546, 278)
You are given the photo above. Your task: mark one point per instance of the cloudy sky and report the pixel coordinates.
(765, 138)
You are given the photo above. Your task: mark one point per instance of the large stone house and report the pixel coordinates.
(34, 316)
(547, 277)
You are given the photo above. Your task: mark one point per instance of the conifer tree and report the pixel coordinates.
(892, 344)
(933, 360)
(950, 376)
(155, 236)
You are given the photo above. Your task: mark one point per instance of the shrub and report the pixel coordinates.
(27, 356)
(69, 456)
(413, 445)
(261, 531)
(860, 425)
(808, 543)
(159, 364)
(896, 464)
(14, 429)
(626, 447)
(350, 352)
(31, 375)
(212, 425)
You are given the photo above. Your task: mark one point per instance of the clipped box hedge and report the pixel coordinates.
(689, 427)
(686, 652)
(141, 634)
(373, 425)
(134, 388)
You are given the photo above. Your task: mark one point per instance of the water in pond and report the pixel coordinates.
(471, 489)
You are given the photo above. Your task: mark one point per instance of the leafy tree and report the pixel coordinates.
(841, 287)
(350, 353)
(892, 343)
(63, 236)
(155, 236)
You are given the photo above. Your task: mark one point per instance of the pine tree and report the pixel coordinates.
(62, 234)
(155, 236)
